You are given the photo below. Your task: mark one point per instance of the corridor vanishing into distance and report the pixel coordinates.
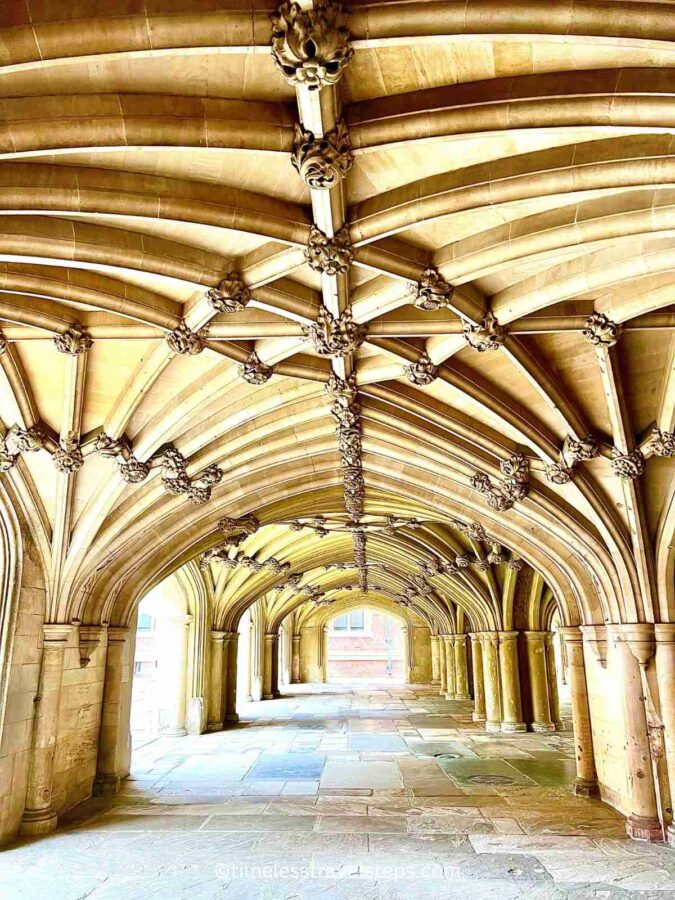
(355, 792)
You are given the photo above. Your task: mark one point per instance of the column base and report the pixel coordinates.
(585, 787)
(493, 727)
(477, 717)
(642, 829)
(543, 727)
(38, 821)
(462, 697)
(449, 696)
(670, 835)
(106, 785)
(513, 727)
(268, 696)
(232, 717)
(213, 726)
(173, 732)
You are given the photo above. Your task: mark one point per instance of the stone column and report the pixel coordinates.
(493, 709)
(512, 707)
(665, 673)
(449, 641)
(552, 673)
(461, 670)
(442, 665)
(176, 650)
(215, 704)
(295, 660)
(536, 663)
(633, 646)
(586, 783)
(271, 642)
(39, 816)
(478, 714)
(114, 741)
(275, 669)
(435, 665)
(232, 639)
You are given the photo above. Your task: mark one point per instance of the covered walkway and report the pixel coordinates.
(344, 792)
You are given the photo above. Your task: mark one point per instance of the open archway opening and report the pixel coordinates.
(365, 646)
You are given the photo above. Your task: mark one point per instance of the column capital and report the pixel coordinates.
(535, 635)
(570, 633)
(595, 637)
(179, 620)
(217, 636)
(475, 637)
(59, 634)
(505, 636)
(664, 634)
(118, 634)
(640, 638)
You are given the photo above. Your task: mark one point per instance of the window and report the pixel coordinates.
(145, 622)
(138, 666)
(354, 621)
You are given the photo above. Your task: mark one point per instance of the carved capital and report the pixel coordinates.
(330, 256)
(25, 440)
(322, 162)
(422, 371)
(68, 458)
(515, 563)
(662, 443)
(184, 341)
(431, 292)
(627, 465)
(107, 446)
(335, 337)
(497, 556)
(601, 331)
(311, 47)
(132, 470)
(489, 335)
(254, 370)
(514, 486)
(231, 295)
(74, 341)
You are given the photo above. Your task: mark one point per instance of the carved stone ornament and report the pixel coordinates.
(132, 470)
(184, 341)
(515, 563)
(68, 458)
(311, 47)
(322, 162)
(247, 525)
(74, 341)
(177, 481)
(474, 530)
(3, 343)
(349, 445)
(662, 443)
(7, 460)
(627, 465)
(330, 256)
(25, 440)
(601, 331)
(431, 568)
(422, 371)
(489, 335)
(482, 565)
(291, 583)
(514, 486)
(254, 370)
(496, 556)
(107, 446)
(573, 452)
(335, 337)
(431, 292)
(231, 295)
(463, 560)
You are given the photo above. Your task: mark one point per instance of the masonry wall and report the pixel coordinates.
(24, 673)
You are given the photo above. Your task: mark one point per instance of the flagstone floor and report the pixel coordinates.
(347, 792)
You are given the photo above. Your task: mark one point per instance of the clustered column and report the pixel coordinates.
(114, 746)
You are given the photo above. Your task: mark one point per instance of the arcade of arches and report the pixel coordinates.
(309, 309)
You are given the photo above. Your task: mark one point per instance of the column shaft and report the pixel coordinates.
(269, 655)
(478, 680)
(435, 666)
(114, 751)
(449, 642)
(493, 711)
(536, 661)
(665, 671)
(552, 674)
(215, 703)
(512, 708)
(39, 816)
(442, 665)
(295, 660)
(586, 783)
(461, 670)
(231, 687)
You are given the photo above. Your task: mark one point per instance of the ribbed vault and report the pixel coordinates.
(507, 219)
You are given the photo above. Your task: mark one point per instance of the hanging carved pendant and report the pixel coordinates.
(421, 372)
(489, 335)
(431, 292)
(184, 341)
(311, 47)
(335, 337)
(74, 341)
(601, 331)
(330, 256)
(254, 370)
(322, 162)
(231, 295)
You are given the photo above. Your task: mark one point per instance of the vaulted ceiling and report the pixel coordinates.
(417, 263)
